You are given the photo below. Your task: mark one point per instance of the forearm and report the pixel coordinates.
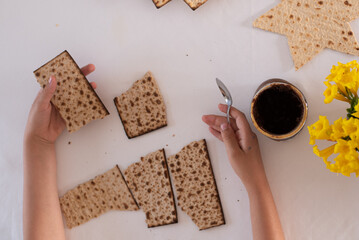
(264, 216)
(41, 210)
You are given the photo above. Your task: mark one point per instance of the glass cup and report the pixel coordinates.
(279, 110)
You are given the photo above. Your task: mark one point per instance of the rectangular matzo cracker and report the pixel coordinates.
(150, 184)
(89, 200)
(75, 99)
(195, 185)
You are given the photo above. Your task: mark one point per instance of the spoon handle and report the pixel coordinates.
(228, 109)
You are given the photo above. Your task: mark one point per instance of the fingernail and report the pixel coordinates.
(50, 80)
(224, 126)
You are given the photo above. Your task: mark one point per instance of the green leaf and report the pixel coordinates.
(347, 138)
(353, 102)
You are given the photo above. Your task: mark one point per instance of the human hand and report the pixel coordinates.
(241, 145)
(44, 123)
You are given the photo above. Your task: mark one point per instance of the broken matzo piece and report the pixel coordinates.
(160, 3)
(75, 99)
(195, 185)
(150, 184)
(194, 4)
(142, 107)
(91, 199)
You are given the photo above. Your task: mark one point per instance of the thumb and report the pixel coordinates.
(48, 91)
(229, 139)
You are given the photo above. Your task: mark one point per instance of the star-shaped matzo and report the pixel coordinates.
(312, 25)
(194, 4)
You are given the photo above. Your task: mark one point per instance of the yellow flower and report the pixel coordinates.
(338, 131)
(350, 126)
(347, 161)
(312, 135)
(320, 130)
(342, 147)
(336, 72)
(353, 144)
(345, 76)
(342, 84)
(325, 153)
(354, 166)
(345, 170)
(351, 76)
(334, 167)
(338, 166)
(330, 93)
(349, 81)
(355, 134)
(352, 156)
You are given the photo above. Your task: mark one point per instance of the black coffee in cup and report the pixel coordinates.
(278, 110)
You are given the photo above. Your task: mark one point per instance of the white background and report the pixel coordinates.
(186, 51)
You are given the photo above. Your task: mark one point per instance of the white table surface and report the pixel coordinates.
(185, 50)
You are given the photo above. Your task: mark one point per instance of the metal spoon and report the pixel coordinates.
(226, 94)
